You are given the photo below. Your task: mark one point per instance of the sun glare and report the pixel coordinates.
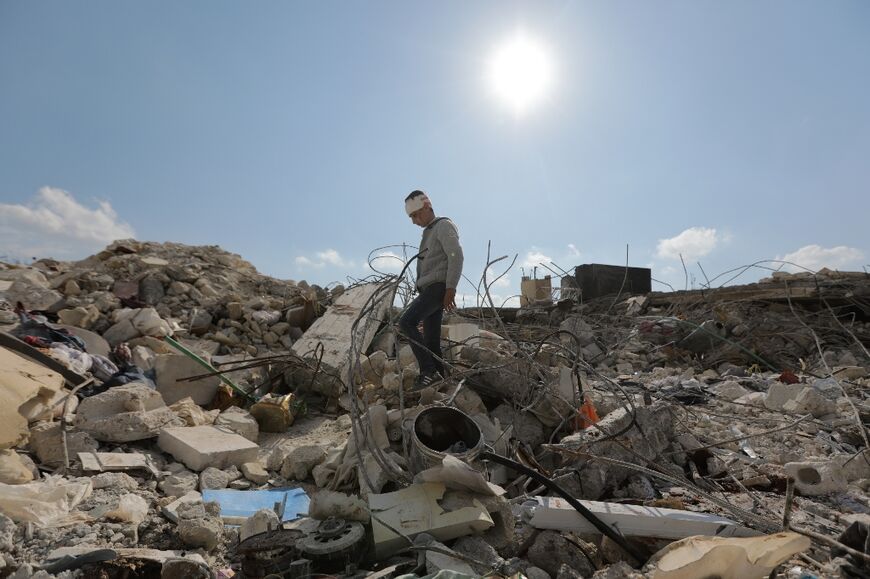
(520, 73)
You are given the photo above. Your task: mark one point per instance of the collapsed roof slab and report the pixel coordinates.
(334, 331)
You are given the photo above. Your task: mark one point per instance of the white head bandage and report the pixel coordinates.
(416, 204)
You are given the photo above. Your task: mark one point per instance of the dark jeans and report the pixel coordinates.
(428, 307)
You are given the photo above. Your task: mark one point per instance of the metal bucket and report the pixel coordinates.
(441, 430)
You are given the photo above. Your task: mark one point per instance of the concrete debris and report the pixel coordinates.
(260, 522)
(239, 421)
(667, 415)
(199, 447)
(125, 413)
(416, 510)
(726, 558)
(551, 551)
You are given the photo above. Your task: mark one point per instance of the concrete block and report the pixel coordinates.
(125, 413)
(778, 394)
(239, 421)
(810, 401)
(171, 367)
(254, 472)
(199, 447)
(816, 478)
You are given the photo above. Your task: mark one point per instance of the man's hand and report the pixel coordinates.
(450, 299)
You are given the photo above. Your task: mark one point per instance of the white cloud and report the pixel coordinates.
(692, 243)
(573, 251)
(387, 262)
(55, 224)
(816, 257)
(323, 258)
(535, 258)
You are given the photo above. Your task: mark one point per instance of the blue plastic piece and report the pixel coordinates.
(245, 503)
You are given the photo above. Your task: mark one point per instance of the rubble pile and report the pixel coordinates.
(171, 412)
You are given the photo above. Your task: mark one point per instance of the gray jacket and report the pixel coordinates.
(441, 258)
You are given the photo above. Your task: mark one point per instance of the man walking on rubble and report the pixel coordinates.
(439, 267)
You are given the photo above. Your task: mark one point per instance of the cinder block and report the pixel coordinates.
(170, 368)
(199, 447)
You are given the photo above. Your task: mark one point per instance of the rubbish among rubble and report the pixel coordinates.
(236, 506)
(131, 508)
(13, 471)
(274, 414)
(80, 556)
(856, 536)
(327, 342)
(199, 447)
(441, 430)
(25, 385)
(556, 514)
(326, 504)
(117, 461)
(262, 521)
(46, 503)
(273, 553)
(73, 562)
(415, 510)
(727, 558)
(704, 337)
(334, 545)
(456, 474)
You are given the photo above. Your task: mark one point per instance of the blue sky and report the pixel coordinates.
(290, 132)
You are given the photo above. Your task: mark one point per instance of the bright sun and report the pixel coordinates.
(520, 73)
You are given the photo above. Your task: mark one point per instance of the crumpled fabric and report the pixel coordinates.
(76, 360)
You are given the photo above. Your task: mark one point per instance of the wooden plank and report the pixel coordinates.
(333, 331)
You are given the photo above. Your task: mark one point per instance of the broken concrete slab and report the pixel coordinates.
(554, 513)
(116, 461)
(254, 472)
(125, 413)
(239, 421)
(726, 558)
(170, 511)
(46, 440)
(199, 447)
(260, 522)
(13, 471)
(24, 383)
(415, 510)
(332, 333)
(170, 368)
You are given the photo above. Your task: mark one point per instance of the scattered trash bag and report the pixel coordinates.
(37, 327)
(857, 536)
(123, 376)
(688, 392)
(76, 360)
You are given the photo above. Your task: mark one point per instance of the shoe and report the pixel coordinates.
(426, 380)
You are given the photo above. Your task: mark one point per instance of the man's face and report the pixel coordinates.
(423, 216)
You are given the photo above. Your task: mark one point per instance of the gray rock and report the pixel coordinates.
(212, 479)
(551, 552)
(536, 573)
(178, 485)
(205, 532)
(151, 290)
(118, 480)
